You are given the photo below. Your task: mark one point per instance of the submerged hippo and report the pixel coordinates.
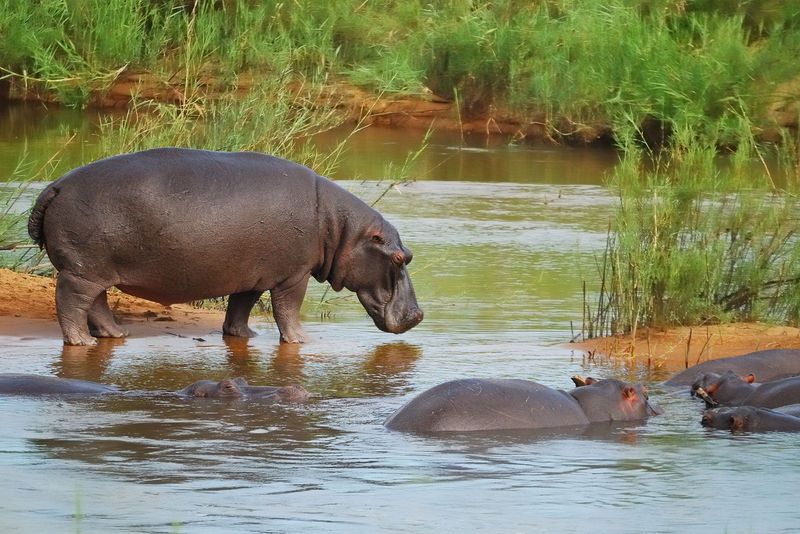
(23, 384)
(766, 364)
(238, 387)
(174, 225)
(730, 389)
(750, 419)
(507, 404)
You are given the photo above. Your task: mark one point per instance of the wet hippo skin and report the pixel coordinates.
(730, 389)
(25, 384)
(508, 404)
(173, 225)
(766, 364)
(750, 419)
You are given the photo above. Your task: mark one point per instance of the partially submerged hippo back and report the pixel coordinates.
(232, 388)
(508, 404)
(750, 419)
(765, 364)
(23, 384)
(173, 225)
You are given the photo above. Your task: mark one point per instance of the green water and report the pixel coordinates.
(503, 238)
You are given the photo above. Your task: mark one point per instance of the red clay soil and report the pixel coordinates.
(675, 348)
(25, 296)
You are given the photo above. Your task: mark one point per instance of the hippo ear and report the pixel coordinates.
(736, 422)
(749, 378)
(591, 380)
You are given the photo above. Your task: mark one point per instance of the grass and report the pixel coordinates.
(698, 239)
(675, 62)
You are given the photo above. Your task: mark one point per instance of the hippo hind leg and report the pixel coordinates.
(74, 298)
(239, 307)
(101, 320)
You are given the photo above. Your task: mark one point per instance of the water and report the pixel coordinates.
(498, 268)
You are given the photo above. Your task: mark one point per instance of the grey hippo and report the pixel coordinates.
(750, 419)
(174, 225)
(508, 404)
(730, 389)
(766, 364)
(230, 388)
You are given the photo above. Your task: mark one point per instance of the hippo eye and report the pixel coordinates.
(377, 239)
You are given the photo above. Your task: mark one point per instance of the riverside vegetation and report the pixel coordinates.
(706, 228)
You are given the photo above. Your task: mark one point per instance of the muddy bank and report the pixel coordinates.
(27, 308)
(681, 347)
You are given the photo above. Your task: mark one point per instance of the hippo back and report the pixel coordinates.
(487, 404)
(765, 364)
(22, 384)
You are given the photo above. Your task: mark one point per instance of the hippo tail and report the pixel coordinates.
(36, 218)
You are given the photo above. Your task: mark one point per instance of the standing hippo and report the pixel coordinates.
(238, 388)
(174, 225)
(766, 364)
(508, 404)
(750, 419)
(23, 384)
(730, 389)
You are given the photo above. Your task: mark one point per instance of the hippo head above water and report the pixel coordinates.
(372, 264)
(614, 400)
(228, 388)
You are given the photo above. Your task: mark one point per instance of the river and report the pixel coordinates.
(503, 238)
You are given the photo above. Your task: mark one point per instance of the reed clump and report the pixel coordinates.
(700, 238)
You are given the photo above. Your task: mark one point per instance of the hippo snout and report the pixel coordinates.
(405, 323)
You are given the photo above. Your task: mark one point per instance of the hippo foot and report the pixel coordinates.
(80, 339)
(97, 332)
(238, 331)
(293, 337)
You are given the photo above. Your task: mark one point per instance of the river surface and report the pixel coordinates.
(503, 238)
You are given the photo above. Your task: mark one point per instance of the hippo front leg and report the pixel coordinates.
(286, 302)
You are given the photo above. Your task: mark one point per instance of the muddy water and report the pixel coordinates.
(498, 267)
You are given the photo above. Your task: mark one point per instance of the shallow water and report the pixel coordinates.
(498, 269)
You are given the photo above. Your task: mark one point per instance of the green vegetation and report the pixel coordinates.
(699, 240)
(676, 62)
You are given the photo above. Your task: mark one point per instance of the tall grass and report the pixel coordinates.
(697, 240)
(672, 61)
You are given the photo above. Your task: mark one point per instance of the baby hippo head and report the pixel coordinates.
(224, 389)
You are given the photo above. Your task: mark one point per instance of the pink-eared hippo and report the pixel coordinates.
(750, 419)
(730, 389)
(766, 364)
(175, 225)
(508, 404)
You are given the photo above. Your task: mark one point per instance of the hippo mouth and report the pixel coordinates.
(393, 311)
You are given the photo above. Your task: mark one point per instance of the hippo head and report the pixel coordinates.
(614, 400)
(738, 419)
(373, 265)
(228, 388)
(725, 388)
(293, 393)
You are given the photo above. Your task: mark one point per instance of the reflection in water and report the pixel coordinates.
(86, 363)
(387, 369)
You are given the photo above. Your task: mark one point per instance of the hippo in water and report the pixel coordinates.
(174, 225)
(238, 388)
(230, 388)
(730, 389)
(766, 364)
(508, 404)
(23, 384)
(750, 419)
